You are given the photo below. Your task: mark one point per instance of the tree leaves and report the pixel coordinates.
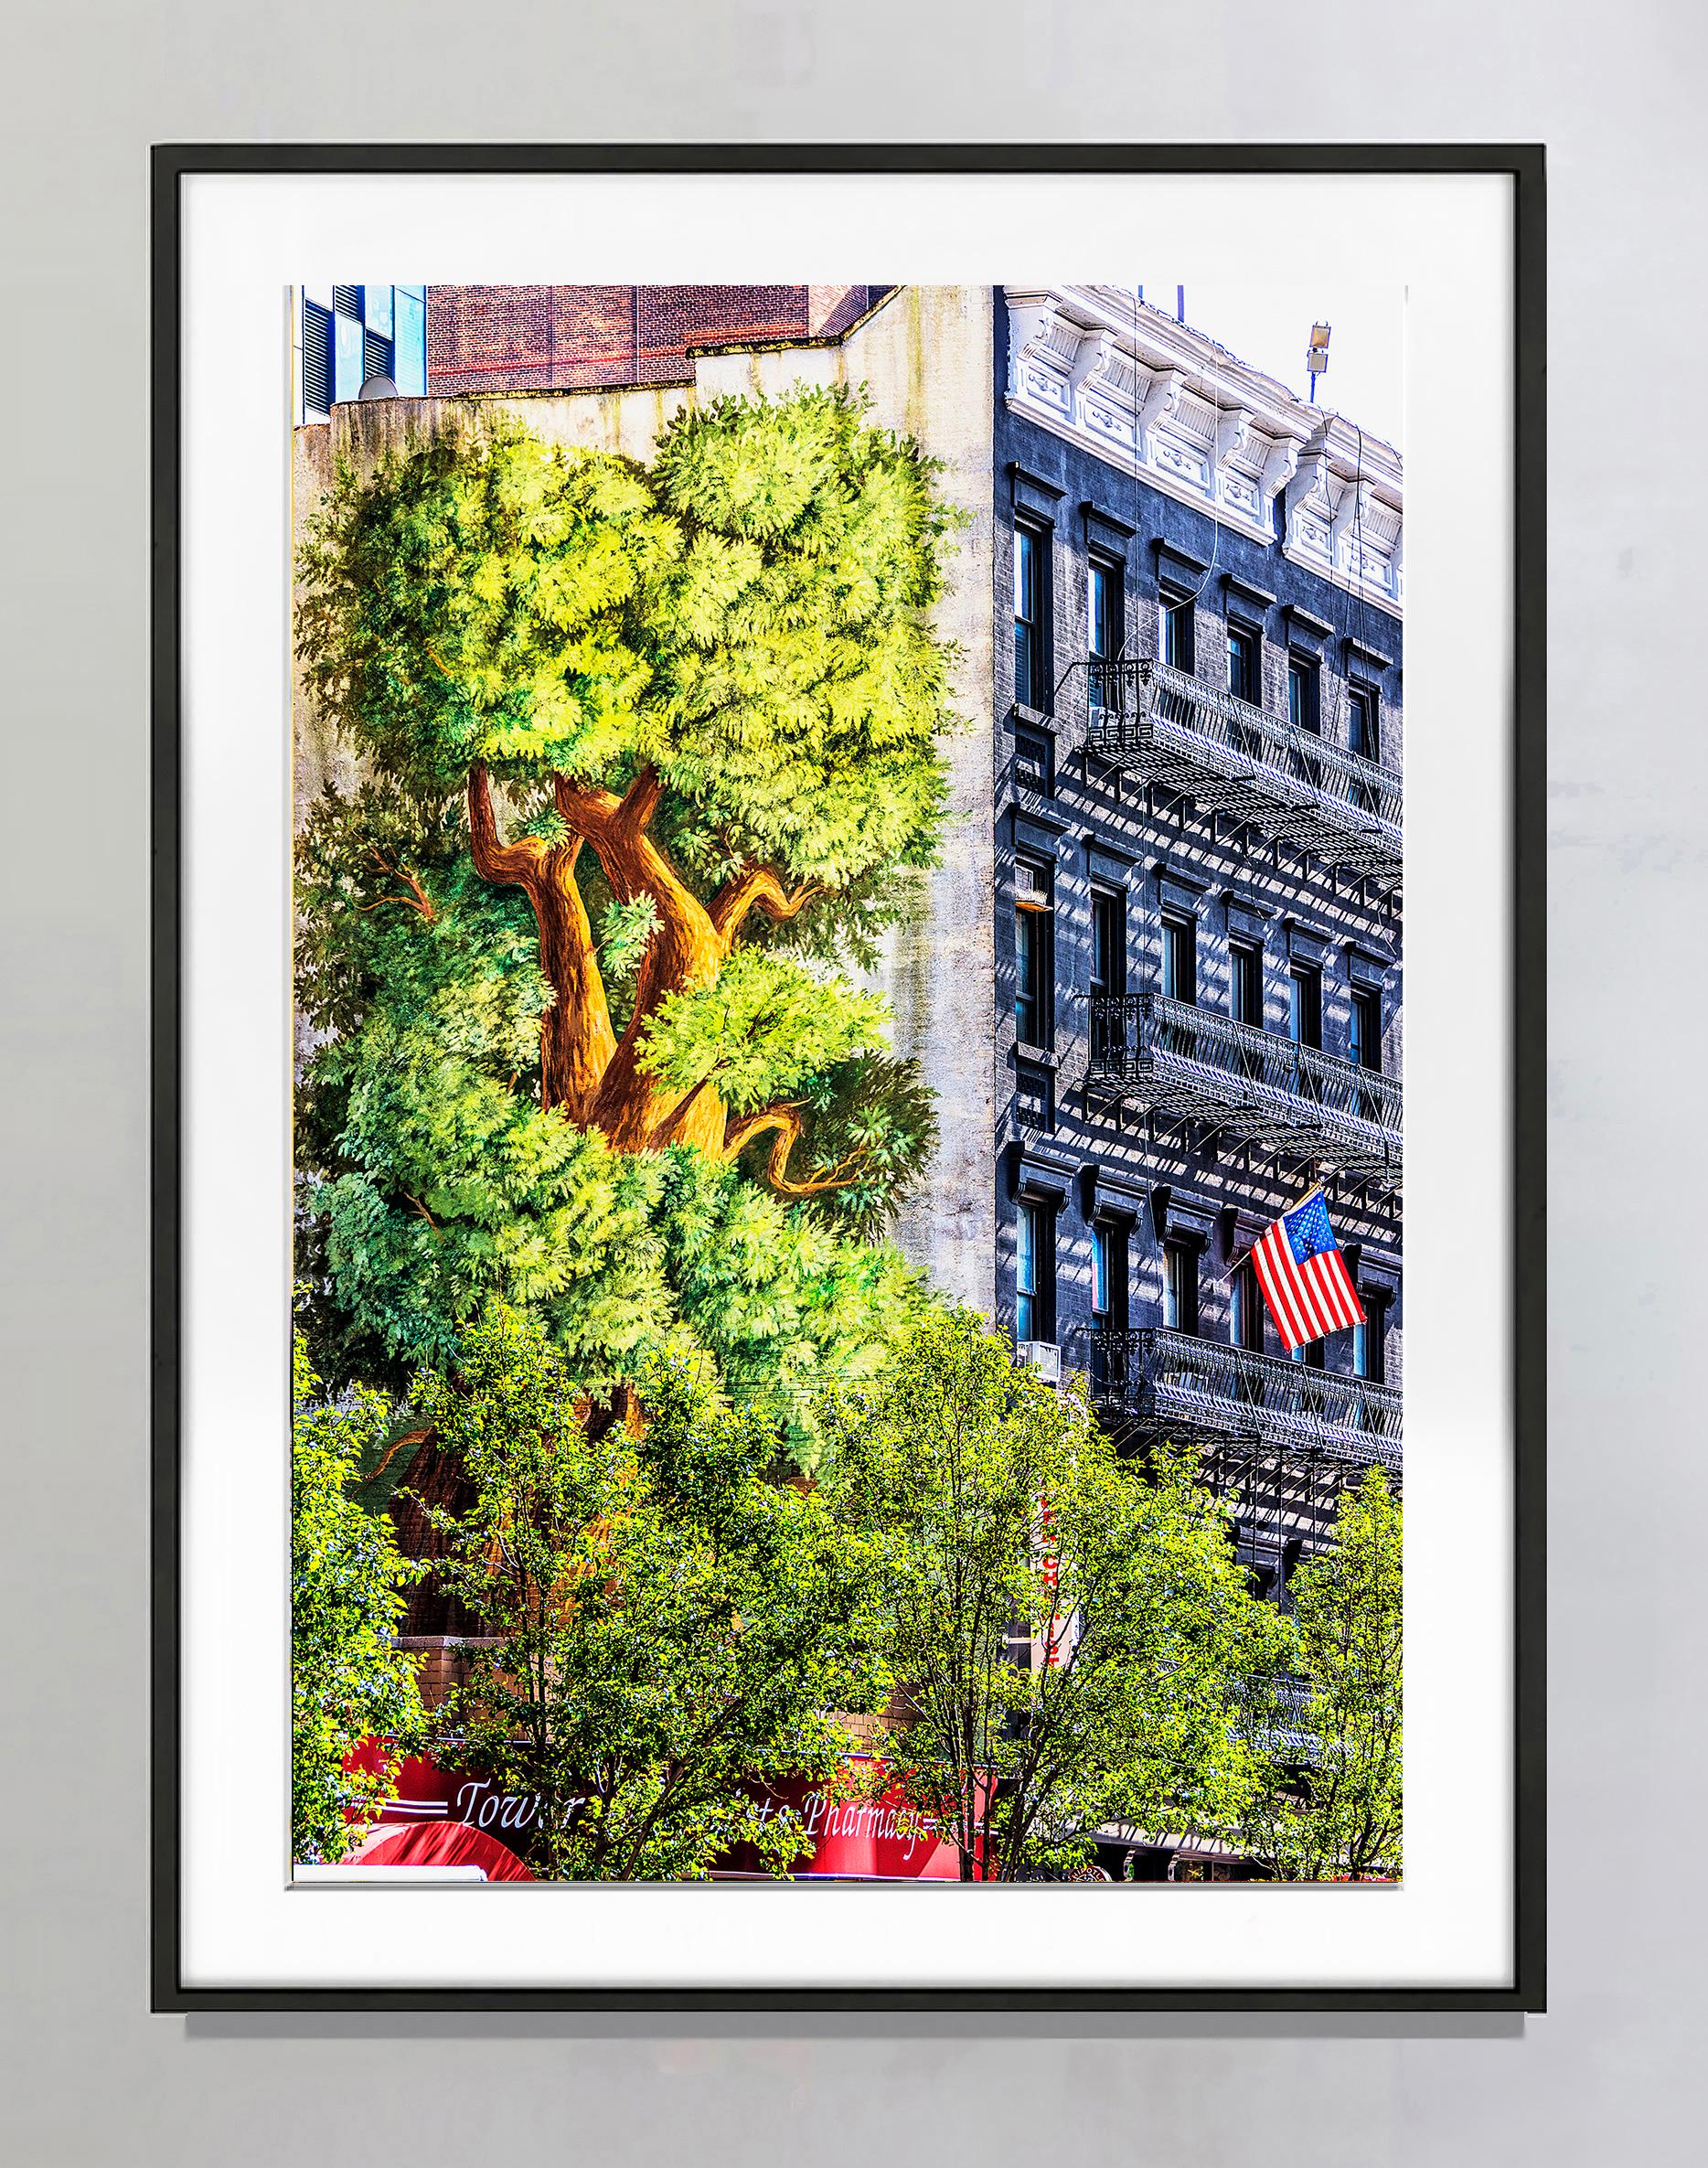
(673, 1624)
(350, 1686)
(1068, 1639)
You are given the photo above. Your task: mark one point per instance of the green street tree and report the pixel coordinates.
(673, 1623)
(1067, 1637)
(349, 1685)
(1329, 1802)
(650, 752)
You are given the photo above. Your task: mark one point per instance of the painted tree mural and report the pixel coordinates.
(650, 752)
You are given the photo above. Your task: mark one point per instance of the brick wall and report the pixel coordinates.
(578, 338)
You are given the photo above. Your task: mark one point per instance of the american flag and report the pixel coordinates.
(1304, 1276)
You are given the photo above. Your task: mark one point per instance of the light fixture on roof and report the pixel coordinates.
(1317, 356)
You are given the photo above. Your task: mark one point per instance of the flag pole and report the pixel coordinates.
(1221, 1279)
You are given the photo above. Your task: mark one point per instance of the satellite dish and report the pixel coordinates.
(377, 388)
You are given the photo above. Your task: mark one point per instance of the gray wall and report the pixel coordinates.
(86, 2077)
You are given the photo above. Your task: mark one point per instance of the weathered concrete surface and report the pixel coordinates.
(923, 358)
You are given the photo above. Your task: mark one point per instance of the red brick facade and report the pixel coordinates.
(577, 338)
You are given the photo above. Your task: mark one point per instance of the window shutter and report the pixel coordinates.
(316, 359)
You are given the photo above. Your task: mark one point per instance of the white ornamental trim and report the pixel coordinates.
(1159, 401)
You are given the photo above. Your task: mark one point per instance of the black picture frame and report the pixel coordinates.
(1524, 165)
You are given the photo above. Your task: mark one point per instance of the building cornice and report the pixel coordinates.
(1163, 402)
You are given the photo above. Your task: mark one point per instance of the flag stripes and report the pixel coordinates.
(1304, 1277)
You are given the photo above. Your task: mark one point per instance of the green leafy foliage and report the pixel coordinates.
(747, 618)
(1328, 1725)
(625, 932)
(673, 1623)
(349, 1685)
(750, 614)
(766, 1028)
(1005, 1527)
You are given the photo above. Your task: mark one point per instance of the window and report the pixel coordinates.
(408, 342)
(1245, 984)
(1244, 682)
(1367, 1338)
(1366, 1032)
(1175, 629)
(1179, 1286)
(1108, 971)
(1311, 1355)
(1304, 1004)
(1030, 688)
(1245, 1308)
(349, 347)
(316, 359)
(1034, 961)
(1033, 763)
(1301, 692)
(1034, 1096)
(1108, 942)
(1361, 724)
(1179, 957)
(1103, 611)
(1035, 1274)
(1108, 1277)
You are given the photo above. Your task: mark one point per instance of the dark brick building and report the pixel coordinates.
(578, 338)
(1198, 938)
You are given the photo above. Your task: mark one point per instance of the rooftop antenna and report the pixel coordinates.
(1317, 356)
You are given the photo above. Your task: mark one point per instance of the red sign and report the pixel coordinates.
(872, 1834)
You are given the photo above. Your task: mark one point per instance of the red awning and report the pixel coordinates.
(440, 1844)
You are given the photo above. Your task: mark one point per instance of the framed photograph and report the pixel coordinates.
(804, 931)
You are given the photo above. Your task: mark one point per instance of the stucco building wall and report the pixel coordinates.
(924, 359)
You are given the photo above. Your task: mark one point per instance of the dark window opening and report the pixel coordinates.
(1179, 1286)
(1035, 1274)
(1175, 630)
(1034, 955)
(1033, 768)
(1302, 688)
(1103, 608)
(1030, 688)
(1245, 1308)
(1179, 957)
(1304, 1004)
(1108, 1276)
(1108, 942)
(1243, 680)
(1366, 1027)
(1245, 984)
(1369, 1359)
(1361, 725)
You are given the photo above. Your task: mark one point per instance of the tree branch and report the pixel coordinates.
(786, 1121)
(758, 888)
(516, 864)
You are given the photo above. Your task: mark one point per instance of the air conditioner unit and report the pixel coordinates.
(1029, 890)
(1041, 1355)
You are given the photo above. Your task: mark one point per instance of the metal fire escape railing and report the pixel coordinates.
(1255, 1086)
(1165, 726)
(1205, 1392)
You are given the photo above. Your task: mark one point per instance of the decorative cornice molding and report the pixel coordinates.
(1169, 406)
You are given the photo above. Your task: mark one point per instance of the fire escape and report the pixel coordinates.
(1283, 1437)
(1161, 725)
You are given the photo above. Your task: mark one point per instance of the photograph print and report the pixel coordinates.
(848, 1001)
